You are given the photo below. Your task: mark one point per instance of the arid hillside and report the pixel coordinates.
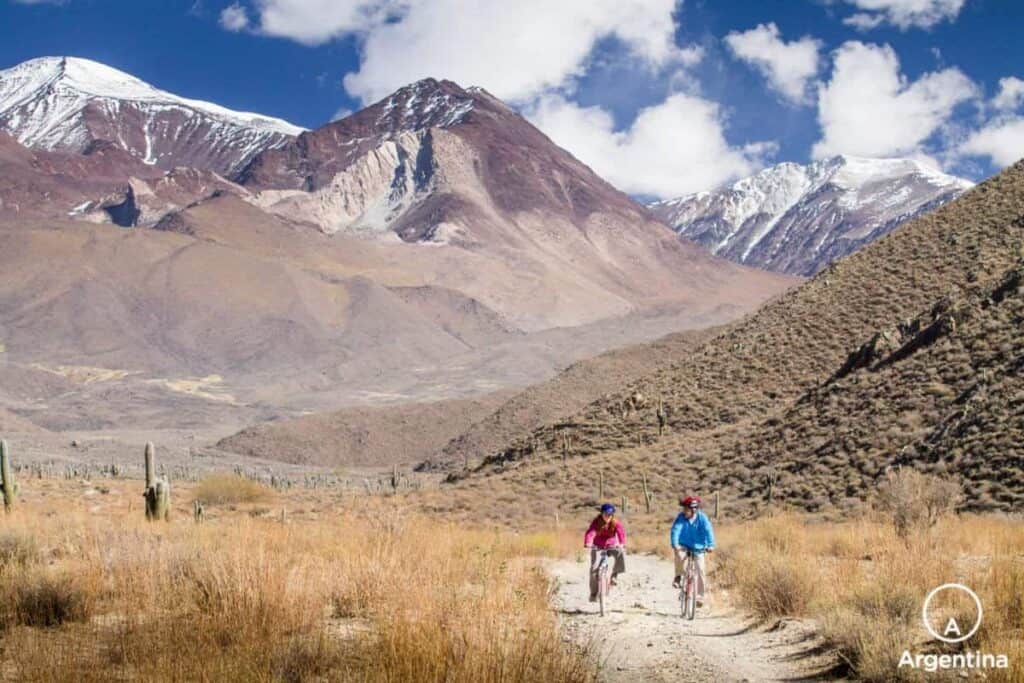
(441, 435)
(758, 407)
(376, 435)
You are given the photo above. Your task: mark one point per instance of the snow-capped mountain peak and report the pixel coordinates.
(66, 103)
(426, 104)
(798, 218)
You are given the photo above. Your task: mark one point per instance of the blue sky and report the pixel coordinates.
(662, 97)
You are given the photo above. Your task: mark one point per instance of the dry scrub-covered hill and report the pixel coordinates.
(370, 435)
(757, 400)
(443, 434)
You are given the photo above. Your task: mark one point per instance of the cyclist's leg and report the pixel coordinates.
(680, 563)
(701, 576)
(595, 559)
(620, 562)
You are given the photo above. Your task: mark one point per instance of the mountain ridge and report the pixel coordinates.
(66, 103)
(797, 218)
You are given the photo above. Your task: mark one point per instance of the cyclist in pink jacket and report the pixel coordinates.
(605, 533)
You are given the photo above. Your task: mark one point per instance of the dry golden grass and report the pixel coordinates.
(230, 489)
(865, 586)
(377, 594)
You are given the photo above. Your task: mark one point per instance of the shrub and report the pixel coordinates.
(773, 586)
(231, 489)
(869, 647)
(17, 548)
(916, 501)
(43, 600)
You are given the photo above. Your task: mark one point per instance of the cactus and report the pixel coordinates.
(396, 479)
(600, 484)
(197, 511)
(662, 417)
(770, 480)
(648, 495)
(7, 486)
(150, 471)
(625, 504)
(158, 491)
(717, 502)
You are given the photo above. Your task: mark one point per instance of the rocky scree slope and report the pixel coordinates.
(435, 164)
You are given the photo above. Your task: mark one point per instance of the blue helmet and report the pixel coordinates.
(607, 509)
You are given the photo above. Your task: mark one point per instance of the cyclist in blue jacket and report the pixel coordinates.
(692, 531)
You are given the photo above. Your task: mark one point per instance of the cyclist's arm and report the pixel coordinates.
(588, 538)
(677, 528)
(620, 533)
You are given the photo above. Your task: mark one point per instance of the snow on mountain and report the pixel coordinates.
(798, 218)
(363, 173)
(66, 104)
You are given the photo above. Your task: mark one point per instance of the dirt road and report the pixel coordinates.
(643, 637)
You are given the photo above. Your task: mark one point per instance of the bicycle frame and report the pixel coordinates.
(688, 587)
(603, 579)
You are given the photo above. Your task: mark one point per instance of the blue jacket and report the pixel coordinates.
(695, 534)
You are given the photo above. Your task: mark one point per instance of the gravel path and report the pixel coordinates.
(643, 637)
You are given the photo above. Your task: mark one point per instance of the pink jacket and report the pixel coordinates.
(599, 538)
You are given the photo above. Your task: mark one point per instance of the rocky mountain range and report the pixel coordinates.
(69, 104)
(797, 219)
(432, 245)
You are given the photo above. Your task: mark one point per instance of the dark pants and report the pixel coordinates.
(618, 557)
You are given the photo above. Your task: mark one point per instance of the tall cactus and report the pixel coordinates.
(8, 486)
(158, 491)
(648, 495)
(150, 468)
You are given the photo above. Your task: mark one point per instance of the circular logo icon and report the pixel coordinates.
(951, 625)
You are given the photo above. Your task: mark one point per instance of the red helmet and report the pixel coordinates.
(690, 502)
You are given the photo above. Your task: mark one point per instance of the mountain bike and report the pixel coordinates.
(604, 578)
(688, 587)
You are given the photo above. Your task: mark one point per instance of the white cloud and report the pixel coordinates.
(789, 67)
(903, 14)
(1002, 141)
(313, 22)
(516, 50)
(1011, 94)
(341, 113)
(870, 109)
(233, 18)
(672, 148)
